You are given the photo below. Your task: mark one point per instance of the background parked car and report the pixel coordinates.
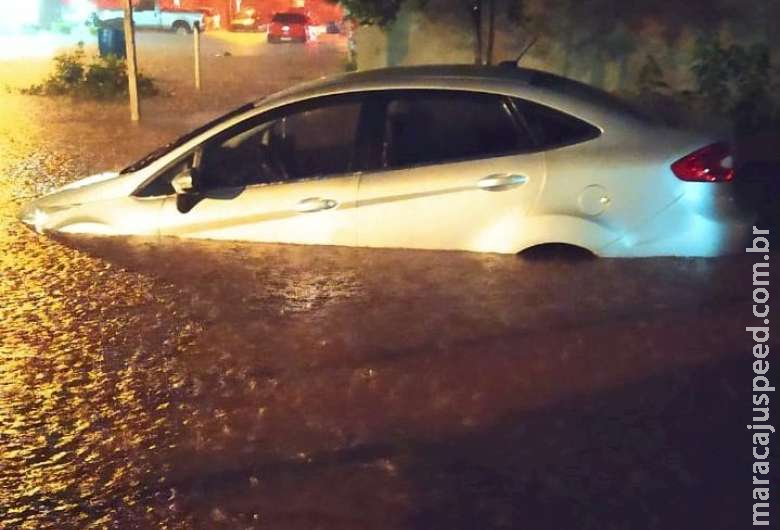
(248, 19)
(148, 15)
(289, 27)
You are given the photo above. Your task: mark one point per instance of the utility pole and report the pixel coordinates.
(475, 6)
(491, 37)
(132, 64)
(196, 36)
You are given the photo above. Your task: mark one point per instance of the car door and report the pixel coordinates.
(287, 176)
(458, 172)
(145, 14)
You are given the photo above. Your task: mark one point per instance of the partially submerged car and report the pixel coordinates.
(488, 159)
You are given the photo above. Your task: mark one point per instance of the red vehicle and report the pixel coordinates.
(289, 27)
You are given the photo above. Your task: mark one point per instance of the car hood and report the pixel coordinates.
(98, 187)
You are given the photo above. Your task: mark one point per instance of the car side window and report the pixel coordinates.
(551, 128)
(428, 127)
(304, 143)
(161, 185)
(320, 141)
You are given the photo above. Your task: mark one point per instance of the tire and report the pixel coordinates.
(272, 40)
(180, 27)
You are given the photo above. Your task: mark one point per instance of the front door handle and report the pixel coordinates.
(501, 182)
(315, 204)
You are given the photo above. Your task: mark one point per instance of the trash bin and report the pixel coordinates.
(111, 38)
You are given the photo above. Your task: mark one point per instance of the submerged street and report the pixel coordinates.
(149, 383)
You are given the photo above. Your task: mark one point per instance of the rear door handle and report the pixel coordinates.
(315, 204)
(501, 181)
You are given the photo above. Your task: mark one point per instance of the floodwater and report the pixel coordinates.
(179, 384)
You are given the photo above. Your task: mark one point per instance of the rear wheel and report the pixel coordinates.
(557, 252)
(181, 27)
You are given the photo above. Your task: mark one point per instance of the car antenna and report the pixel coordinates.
(527, 49)
(516, 62)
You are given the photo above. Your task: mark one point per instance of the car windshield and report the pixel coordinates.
(167, 148)
(289, 18)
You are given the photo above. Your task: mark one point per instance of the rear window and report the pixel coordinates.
(290, 18)
(551, 128)
(595, 95)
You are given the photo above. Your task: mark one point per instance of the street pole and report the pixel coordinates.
(476, 19)
(196, 36)
(132, 65)
(491, 31)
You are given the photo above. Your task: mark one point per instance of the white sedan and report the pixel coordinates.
(487, 159)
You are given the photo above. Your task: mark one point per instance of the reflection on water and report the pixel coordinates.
(196, 384)
(220, 384)
(84, 401)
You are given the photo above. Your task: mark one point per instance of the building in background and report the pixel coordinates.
(320, 11)
(17, 15)
(21, 15)
(50, 14)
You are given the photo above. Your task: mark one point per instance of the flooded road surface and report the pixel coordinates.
(198, 385)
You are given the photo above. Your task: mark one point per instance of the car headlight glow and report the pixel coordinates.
(38, 218)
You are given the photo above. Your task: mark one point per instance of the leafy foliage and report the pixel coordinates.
(99, 78)
(378, 12)
(734, 80)
(480, 13)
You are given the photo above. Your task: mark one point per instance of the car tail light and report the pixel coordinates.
(713, 163)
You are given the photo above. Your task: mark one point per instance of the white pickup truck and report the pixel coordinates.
(148, 15)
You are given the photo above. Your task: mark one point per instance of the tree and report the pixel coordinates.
(651, 77)
(603, 30)
(383, 12)
(371, 12)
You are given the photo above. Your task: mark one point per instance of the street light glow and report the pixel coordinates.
(18, 14)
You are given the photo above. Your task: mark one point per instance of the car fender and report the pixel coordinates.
(567, 229)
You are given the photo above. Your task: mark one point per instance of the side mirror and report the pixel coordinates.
(183, 183)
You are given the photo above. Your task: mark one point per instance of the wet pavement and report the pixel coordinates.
(152, 383)
(169, 58)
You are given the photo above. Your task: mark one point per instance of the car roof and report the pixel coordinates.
(399, 77)
(566, 94)
(290, 14)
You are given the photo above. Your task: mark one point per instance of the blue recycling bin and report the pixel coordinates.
(111, 38)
